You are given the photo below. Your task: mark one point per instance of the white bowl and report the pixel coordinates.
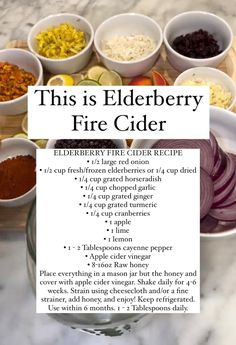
(30, 63)
(13, 147)
(127, 24)
(73, 63)
(223, 125)
(120, 143)
(188, 22)
(213, 74)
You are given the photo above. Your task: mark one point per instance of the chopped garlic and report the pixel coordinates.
(128, 48)
(219, 96)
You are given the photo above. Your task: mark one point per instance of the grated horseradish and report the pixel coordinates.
(128, 48)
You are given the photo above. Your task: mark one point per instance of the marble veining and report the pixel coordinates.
(17, 16)
(215, 325)
(19, 324)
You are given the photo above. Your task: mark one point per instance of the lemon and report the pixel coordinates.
(24, 124)
(95, 72)
(88, 82)
(20, 135)
(110, 78)
(41, 143)
(61, 80)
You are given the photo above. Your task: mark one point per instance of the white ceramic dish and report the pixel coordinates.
(223, 125)
(127, 24)
(30, 63)
(120, 143)
(188, 22)
(12, 147)
(71, 64)
(213, 74)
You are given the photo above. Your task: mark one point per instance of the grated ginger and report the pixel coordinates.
(219, 96)
(128, 48)
(60, 42)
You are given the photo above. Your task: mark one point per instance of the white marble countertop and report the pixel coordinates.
(215, 325)
(17, 16)
(19, 323)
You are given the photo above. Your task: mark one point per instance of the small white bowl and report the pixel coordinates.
(213, 74)
(128, 24)
(30, 63)
(10, 148)
(120, 143)
(188, 22)
(73, 63)
(223, 125)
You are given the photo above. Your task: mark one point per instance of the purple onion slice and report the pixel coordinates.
(206, 152)
(208, 224)
(225, 193)
(215, 146)
(220, 165)
(227, 214)
(225, 178)
(230, 200)
(206, 193)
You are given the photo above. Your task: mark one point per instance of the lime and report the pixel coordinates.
(95, 72)
(78, 77)
(110, 78)
(24, 124)
(41, 143)
(20, 135)
(88, 82)
(61, 80)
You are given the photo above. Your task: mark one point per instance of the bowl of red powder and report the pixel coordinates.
(17, 172)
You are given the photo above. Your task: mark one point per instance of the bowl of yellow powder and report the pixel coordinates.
(222, 89)
(63, 42)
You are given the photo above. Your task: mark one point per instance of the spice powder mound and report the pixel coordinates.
(17, 176)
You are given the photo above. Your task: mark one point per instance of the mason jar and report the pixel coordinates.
(97, 323)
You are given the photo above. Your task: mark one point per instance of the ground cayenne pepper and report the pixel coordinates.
(17, 176)
(14, 81)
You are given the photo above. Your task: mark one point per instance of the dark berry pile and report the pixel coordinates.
(198, 44)
(85, 144)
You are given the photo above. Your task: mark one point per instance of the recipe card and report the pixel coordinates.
(118, 230)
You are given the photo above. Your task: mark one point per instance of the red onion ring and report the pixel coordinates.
(225, 178)
(208, 224)
(206, 193)
(227, 213)
(226, 192)
(206, 152)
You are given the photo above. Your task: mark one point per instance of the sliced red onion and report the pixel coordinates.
(225, 193)
(230, 200)
(227, 213)
(233, 156)
(206, 193)
(225, 178)
(215, 146)
(219, 166)
(206, 152)
(208, 224)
